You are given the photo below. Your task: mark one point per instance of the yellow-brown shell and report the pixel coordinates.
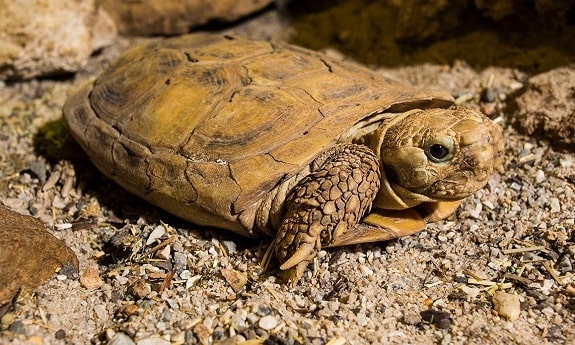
(204, 125)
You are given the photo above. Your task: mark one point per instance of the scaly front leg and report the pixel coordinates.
(324, 205)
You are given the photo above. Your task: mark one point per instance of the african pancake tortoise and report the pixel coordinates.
(268, 138)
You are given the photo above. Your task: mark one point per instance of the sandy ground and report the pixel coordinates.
(513, 235)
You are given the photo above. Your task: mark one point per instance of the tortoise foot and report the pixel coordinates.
(324, 205)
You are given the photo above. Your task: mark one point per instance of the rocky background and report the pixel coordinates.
(500, 271)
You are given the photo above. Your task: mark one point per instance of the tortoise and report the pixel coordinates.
(265, 138)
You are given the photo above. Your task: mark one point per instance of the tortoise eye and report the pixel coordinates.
(439, 149)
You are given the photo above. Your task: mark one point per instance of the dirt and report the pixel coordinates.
(515, 235)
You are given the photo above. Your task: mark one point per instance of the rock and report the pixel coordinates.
(471, 292)
(500, 9)
(440, 319)
(121, 339)
(268, 322)
(156, 234)
(90, 278)
(29, 254)
(140, 289)
(418, 21)
(506, 305)
(170, 17)
(412, 318)
(202, 334)
(39, 38)
(238, 320)
(153, 341)
(546, 107)
(236, 279)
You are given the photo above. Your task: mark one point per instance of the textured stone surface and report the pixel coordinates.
(431, 19)
(151, 17)
(546, 108)
(39, 38)
(29, 254)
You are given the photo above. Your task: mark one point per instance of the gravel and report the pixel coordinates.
(515, 235)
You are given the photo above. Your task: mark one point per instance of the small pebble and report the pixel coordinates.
(122, 280)
(164, 253)
(153, 341)
(506, 305)
(100, 311)
(179, 259)
(366, 271)
(412, 319)
(140, 289)
(262, 310)
(231, 247)
(471, 292)
(202, 333)
(35, 340)
(236, 279)
(90, 278)
(129, 309)
(158, 232)
(17, 327)
(515, 85)
(60, 334)
(185, 274)
(489, 94)
(6, 320)
(440, 319)
(268, 322)
(238, 320)
(488, 109)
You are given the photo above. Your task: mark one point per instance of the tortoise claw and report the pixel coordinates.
(302, 254)
(293, 274)
(291, 269)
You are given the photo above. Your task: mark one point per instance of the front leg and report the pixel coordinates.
(324, 205)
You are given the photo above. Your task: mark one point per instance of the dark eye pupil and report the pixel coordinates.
(438, 151)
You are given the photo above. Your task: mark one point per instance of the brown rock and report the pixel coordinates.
(90, 278)
(417, 20)
(546, 107)
(140, 289)
(29, 254)
(507, 305)
(40, 38)
(236, 279)
(151, 17)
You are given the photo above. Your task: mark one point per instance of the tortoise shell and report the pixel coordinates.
(205, 125)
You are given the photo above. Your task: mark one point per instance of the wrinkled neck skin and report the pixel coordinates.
(390, 195)
(412, 175)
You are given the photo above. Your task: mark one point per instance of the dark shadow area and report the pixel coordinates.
(526, 36)
(54, 142)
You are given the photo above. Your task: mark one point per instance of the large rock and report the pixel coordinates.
(546, 107)
(423, 20)
(29, 254)
(39, 38)
(172, 17)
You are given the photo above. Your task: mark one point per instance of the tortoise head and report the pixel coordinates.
(435, 155)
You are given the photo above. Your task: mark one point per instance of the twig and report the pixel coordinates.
(549, 267)
(523, 249)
